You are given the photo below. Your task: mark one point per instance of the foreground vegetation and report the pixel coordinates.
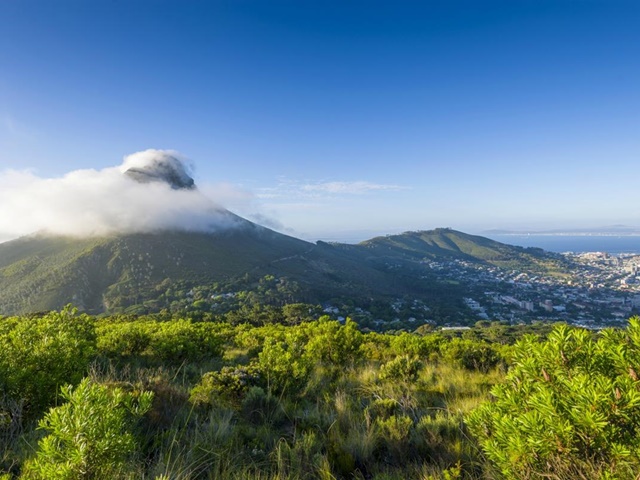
(170, 398)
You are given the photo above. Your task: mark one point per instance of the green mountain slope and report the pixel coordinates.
(447, 244)
(112, 273)
(43, 272)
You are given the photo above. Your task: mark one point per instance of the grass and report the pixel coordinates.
(379, 414)
(374, 429)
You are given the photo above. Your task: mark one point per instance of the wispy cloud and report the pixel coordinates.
(301, 204)
(287, 189)
(351, 188)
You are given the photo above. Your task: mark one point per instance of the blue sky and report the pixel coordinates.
(341, 119)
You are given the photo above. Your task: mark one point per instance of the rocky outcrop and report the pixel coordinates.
(167, 169)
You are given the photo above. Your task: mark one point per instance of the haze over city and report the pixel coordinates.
(323, 120)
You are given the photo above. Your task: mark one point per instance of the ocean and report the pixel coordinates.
(574, 243)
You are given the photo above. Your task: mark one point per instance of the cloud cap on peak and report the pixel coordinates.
(164, 166)
(99, 202)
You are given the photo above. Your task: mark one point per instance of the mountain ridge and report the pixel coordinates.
(114, 272)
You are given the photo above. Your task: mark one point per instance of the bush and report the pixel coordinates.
(569, 407)
(333, 343)
(89, 436)
(175, 341)
(41, 354)
(395, 436)
(471, 354)
(403, 368)
(226, 387)
(283, 365)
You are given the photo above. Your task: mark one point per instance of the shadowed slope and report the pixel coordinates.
(45, 272)
(112, 273)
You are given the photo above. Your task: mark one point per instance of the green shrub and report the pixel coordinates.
(395, 434)
(89, 436)
(260, 407)
(333, 343)
(403, 368)
(415, 345)
(471, 354)
(569, 407)
(158, 342)
(226, 387)
(382, 407)
(283, 365)
(41, 354)
(124, 340)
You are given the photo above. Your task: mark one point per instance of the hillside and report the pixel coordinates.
(43, 272)
(447, 244)
(110, 274)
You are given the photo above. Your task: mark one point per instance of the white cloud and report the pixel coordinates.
(97, 202)
(291, 190)
(353, 188)
(231, 196)
(305, 205)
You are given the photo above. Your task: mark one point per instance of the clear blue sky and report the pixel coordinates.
(339, 119)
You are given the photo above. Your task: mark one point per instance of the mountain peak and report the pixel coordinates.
(166, 169)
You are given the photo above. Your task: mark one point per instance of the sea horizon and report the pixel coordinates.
(576, 243)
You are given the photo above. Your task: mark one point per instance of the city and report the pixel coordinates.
(602, 290)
